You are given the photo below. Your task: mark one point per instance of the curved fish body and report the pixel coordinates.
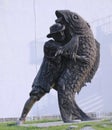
(77, 73)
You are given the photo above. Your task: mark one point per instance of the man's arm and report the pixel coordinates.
(70, 49)
(50, 49)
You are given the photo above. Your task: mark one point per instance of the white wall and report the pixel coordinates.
(16, 72)
(17, 47)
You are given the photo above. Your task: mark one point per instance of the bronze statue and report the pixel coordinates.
(70, 60)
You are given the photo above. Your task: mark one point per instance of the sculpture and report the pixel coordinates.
(70, 61)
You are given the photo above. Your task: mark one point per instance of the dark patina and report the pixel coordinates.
(71, 59)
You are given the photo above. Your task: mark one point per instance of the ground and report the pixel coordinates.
(97, 125)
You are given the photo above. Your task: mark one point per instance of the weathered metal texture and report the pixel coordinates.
(70, 60)
(76, 74)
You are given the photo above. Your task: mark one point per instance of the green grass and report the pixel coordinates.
(100, 125)
(42, 121)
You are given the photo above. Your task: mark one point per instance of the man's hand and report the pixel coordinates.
(59, 51)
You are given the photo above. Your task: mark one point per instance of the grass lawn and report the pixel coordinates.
(100, 125)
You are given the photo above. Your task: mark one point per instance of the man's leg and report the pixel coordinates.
(35, 95)
(27, 107)
(65, 105)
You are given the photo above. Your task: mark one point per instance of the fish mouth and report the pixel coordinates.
(59, 16)
(58, 20)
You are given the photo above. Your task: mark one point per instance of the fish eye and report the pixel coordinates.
(75, 17)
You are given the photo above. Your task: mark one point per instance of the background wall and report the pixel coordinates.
(24, 25)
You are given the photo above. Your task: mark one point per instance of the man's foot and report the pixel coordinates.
(20, 122)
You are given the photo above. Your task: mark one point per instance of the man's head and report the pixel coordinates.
(57, 32)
